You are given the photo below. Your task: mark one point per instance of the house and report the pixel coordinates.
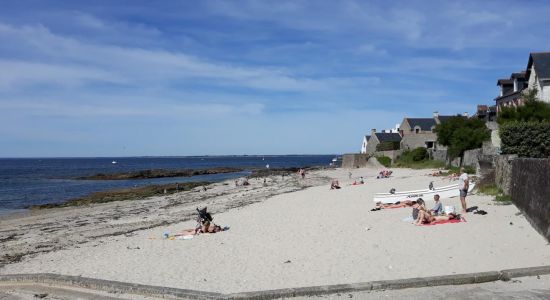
(538, 74)
(510, 90)
(380, 137)
(535, 76)
(364, 144)
(486, 113)
(419, 132)
(367, 137)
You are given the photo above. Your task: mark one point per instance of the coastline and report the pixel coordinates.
(68, 227)
(287, 234)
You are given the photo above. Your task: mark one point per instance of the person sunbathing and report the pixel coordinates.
(435, 173)
(453, 176)
(425, 217)
(398, 204)
(203, 229)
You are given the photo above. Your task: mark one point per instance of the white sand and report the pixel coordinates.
(311, 237)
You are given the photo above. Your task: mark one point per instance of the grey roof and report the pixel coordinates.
(542, 64)
(425, 124)
(443, 119)
(505, 81)
(519, 75)
(508, 97)
(388, 137)
(367, 137)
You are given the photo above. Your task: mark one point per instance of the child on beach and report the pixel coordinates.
(438, 207)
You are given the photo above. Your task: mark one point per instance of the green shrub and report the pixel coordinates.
(419, 154)
(526, 139)
(503, 198)
(417, 159)
(388, 146)
(384, 160)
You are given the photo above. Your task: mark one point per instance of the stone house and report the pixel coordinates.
(419, 132)
(379, 137)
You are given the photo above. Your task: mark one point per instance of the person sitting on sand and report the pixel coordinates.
(425, 216)
(245, 181)
(362, 181)
(334, 185)
(438, 207)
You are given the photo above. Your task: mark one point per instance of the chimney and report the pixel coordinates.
(383, 131)
(373, 131)
(436, 114)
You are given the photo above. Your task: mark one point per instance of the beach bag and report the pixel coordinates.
(449, 209)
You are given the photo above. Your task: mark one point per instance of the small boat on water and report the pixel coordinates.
(443, 192)
(114, 162)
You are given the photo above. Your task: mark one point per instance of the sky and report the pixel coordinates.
(138, 78)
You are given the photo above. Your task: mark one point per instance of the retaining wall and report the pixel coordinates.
(354, 160)
(503, 172)
(530, 191)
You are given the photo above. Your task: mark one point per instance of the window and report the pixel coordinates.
(416, 130)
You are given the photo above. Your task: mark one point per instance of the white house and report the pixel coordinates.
(538, 74)
(367, 137)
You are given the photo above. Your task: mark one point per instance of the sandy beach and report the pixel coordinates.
(289, 233)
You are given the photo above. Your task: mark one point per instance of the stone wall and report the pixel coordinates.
(440, 155)
(393, 154)
(354, 160)
(471, 158)
(530, 191)
(412, 141)
(503, 172)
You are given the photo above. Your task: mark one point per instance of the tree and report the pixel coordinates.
(460, 134)
(532, 110)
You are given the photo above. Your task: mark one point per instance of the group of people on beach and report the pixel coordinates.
(384, 174)
(420, 213)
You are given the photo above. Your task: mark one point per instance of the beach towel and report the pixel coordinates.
(444, 222)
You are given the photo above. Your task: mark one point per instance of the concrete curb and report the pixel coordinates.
(157, 291)
(108, 286)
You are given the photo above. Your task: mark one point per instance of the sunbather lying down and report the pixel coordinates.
(203, 229)
(398, 204)
(427, 218)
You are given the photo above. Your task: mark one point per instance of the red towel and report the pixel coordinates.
(444, 222)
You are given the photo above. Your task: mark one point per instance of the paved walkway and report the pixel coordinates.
(529, 288)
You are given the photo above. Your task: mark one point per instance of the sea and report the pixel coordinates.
(29, 181)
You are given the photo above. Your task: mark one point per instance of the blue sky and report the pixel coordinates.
(125, 78)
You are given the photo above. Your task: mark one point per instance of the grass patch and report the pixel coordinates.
(124, 194)
(467, 169)
(384, 160)
(490, 189)
(424, 164)
(503, 198)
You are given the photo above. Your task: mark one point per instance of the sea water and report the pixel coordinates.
(30, 181)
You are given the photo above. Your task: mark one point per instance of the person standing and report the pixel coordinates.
(463, 185)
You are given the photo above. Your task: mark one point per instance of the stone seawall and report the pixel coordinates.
(354, 160)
